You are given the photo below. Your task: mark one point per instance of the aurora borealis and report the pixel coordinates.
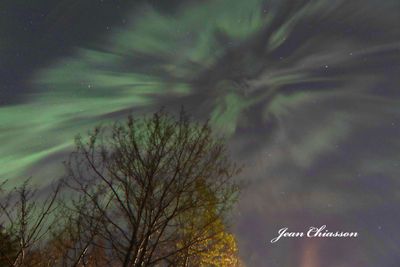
(306, 91)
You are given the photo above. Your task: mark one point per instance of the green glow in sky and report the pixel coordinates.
(79, 91)
(154, 58)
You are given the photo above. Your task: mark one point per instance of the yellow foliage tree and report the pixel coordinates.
(214, 246)
(221, 251)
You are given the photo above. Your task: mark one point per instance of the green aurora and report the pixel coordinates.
(81, 90)
(306, 91)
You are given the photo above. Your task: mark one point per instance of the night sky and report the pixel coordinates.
(307, 93)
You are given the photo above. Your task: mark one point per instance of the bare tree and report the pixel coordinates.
(27, 219)
(149, 190)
